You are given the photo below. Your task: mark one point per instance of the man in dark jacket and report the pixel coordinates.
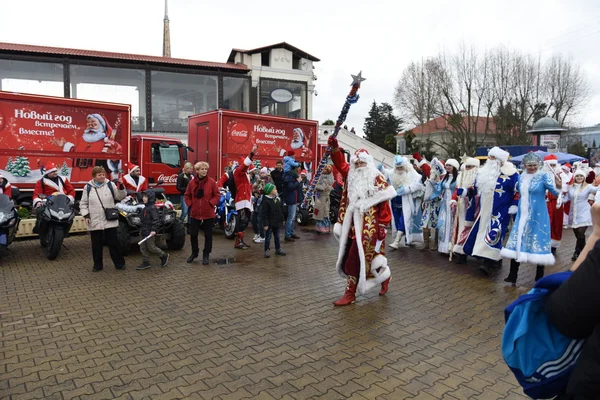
(272, 218)
(574, 309)
(149, 225)
(292, 196)
(277, 176)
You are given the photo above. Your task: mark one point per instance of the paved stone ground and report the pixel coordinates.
(254, 328)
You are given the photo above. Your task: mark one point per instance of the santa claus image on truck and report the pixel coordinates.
(98, 137)
(300, 143)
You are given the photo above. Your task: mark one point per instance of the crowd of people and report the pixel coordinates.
(460, 209)
(490, 212)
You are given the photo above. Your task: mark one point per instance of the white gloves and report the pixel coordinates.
(512, 210)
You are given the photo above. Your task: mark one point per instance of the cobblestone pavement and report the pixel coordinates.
(253, 328)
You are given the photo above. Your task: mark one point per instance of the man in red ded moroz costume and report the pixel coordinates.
(134, 181)
(243, 197)
(98, 137)
(555, 206)
(361, 228)
(52, 184)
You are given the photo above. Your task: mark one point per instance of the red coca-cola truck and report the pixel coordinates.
(36, 131)
(224, 136)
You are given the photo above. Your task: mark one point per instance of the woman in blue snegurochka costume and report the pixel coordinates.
(444, 189)
(431, 205)
(529, 239)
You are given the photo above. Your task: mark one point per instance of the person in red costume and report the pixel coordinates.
(98, 137)
(243, 198)
(5, 187)
(52, 184)
(134, 181)
(422, 164)
(363, 218)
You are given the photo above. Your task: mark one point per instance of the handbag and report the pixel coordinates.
(111, 214)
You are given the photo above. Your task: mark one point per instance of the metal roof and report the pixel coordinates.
(105, 55)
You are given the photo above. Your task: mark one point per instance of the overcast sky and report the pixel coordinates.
(378, 37)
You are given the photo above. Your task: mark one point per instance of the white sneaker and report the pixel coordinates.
(255, 238)
(260, 240)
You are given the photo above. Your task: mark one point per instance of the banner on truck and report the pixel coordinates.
(273, 138)
(87, 137)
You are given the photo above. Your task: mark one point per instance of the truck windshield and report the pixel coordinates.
(166, 155)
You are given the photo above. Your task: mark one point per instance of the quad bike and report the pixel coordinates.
(226, 214)
(54, 220)
(171, 230)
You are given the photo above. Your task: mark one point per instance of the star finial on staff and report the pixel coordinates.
(357, 79)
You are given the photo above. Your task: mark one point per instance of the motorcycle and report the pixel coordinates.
(171, 228)
(226, 214)
(9, 221)
(54, 220)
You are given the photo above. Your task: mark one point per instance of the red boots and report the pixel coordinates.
(349, 296)
(385, 286)
(239, 242)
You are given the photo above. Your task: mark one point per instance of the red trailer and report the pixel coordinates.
(38, 130)
(224, 136)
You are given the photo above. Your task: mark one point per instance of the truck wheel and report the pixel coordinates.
(123, 237)
(176, 240)
(54, 242)
(302, 217)
(231, 227)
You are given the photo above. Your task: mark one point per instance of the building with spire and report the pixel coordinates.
(166, 32)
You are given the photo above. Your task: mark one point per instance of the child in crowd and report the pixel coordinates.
(272, 217)
(149, 226)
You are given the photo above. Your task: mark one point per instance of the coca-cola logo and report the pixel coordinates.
(168, 179)
(239, 133)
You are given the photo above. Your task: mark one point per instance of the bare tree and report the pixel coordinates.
(499, 92)
(567, 88)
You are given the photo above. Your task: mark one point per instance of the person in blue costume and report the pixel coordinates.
(445, 189)
(406, 206)
(494, 191)
(529, 239)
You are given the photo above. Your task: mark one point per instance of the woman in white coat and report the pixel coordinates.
(99, 194)
(580, 216)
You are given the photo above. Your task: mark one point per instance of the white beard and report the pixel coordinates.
(487, 176)
(467, 177)
(361, 184)
(296, 144)
(93, 135)
(398, 179)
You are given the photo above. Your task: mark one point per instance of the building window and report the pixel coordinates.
(176, 96)
(283, 98)
(264, 58)
(114, 85)
(32, 77)
(401, 146)
(236, 93)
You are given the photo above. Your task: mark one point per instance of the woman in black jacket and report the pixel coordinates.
(574, 309)
(183, 180)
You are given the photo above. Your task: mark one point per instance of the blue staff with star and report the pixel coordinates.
(350, 99)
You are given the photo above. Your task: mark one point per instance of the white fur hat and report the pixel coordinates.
(452, 162)
(362, 155)
(499, 154)
(580, 172)
(473, 162)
